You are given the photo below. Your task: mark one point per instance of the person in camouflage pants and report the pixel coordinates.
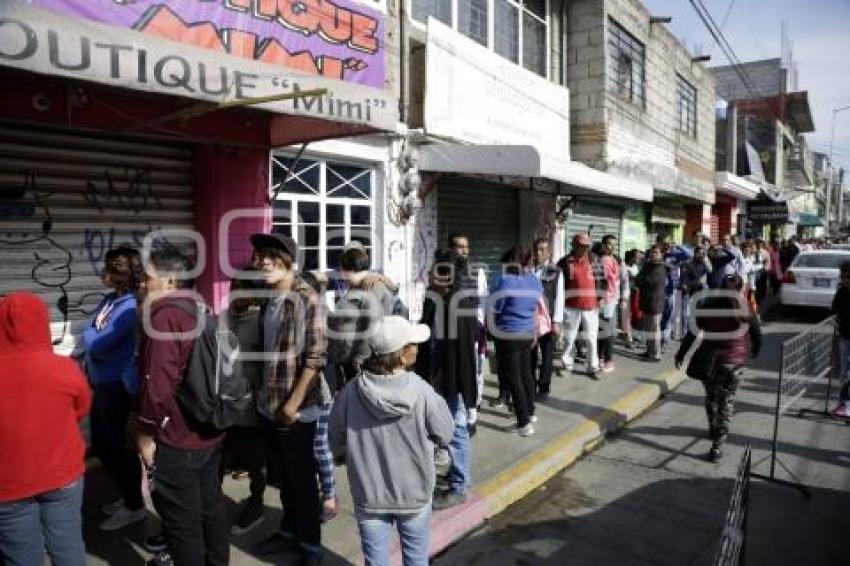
(719, 360)
(720, 400)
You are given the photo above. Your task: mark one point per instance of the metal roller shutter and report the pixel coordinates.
(488, 213)
(597, 220)
(67, 197)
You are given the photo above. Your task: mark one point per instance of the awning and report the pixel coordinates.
(804, 219)
(733, 185)
(527, 161)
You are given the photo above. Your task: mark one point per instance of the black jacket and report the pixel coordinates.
(841, 309)
(652, 282)
(448, 360)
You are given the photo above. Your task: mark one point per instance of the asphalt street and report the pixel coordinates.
(648, 496)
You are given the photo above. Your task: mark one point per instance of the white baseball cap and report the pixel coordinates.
(393, 333)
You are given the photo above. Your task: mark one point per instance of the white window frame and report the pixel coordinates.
(491, 29)
(322, 199)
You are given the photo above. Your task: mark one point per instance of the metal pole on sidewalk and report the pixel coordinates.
(776, 415)
(835, 362)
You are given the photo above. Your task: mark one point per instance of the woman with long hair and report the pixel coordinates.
(512, 322)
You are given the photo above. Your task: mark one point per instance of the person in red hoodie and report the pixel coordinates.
(41, 479)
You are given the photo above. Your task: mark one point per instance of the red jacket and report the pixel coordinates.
(162, 365)
(43, 397)
(580, 284)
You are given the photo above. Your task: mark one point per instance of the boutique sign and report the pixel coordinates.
(215, 62)
(336, 39)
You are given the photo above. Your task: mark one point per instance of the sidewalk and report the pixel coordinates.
(506, 467)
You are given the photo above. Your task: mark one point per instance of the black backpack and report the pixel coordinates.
(215, 389)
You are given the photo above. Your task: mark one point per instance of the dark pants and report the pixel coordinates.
(51, 520)
(514, 359)
(245, 450)
(761, 286)
(187, 495)
(290, 450)
(108, 420)
(543, 354)
(607, 335)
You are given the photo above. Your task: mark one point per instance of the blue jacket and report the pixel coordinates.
(110, 352)
(515, 303)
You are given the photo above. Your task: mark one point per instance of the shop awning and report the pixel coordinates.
(804, 219)
(733, 185)
(527, 161)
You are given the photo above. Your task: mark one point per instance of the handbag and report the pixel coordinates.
(703, 363)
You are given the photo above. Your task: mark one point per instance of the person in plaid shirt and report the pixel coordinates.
(292, 394)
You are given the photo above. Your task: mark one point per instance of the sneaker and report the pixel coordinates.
(251, 516)
(160, 559)
(542, 396)
(122, 518)
(330, 509)
(532, 419)
(112, 508)
(842, 410)
(593, 373)
(715, 453)
(156, 543)
(498, 403)
(527, 430)
(447, 500)
(608, 367)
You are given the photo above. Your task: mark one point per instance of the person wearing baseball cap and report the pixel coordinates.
(385, 423)
(580, 307)
(292, 393)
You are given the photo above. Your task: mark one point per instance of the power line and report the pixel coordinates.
(724, 45)
(726, 15)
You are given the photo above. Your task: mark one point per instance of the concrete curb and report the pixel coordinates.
(511, 485)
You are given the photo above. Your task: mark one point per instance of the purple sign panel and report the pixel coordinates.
(336, 39)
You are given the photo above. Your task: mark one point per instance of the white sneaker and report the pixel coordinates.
(527, 430)
(842, 410)
(122, 518)
(532, 419)
(112, 508)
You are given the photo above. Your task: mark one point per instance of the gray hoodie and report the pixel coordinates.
(386, 427)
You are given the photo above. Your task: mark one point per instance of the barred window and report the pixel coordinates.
(322, 205)
(687, 106)
(625, 64)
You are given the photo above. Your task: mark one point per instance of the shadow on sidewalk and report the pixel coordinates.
(668, 522)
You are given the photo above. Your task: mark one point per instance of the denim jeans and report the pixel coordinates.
(414, 532)
(460, 449)
(52, 519)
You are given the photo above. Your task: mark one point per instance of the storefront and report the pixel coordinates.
(668, 219)
(118, 125)
(595, 219)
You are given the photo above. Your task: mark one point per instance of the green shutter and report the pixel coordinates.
(488, 213)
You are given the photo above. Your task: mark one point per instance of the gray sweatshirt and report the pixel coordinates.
(386, 427)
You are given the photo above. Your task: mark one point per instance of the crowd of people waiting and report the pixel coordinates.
(360, 384)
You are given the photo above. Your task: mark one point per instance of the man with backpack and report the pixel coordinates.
(181, 455)
(368, 298)
(292, 394)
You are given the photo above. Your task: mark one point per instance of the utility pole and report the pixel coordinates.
(827, 227)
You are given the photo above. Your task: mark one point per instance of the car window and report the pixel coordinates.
(823, 261)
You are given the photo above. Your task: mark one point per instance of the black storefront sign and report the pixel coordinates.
(767, 212)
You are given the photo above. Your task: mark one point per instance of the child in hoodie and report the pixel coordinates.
(385, 423)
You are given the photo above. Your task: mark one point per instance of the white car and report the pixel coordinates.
(812, 279)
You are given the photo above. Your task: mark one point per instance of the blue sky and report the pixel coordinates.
(819, 30)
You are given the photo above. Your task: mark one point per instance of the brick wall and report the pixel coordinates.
(611, 132)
